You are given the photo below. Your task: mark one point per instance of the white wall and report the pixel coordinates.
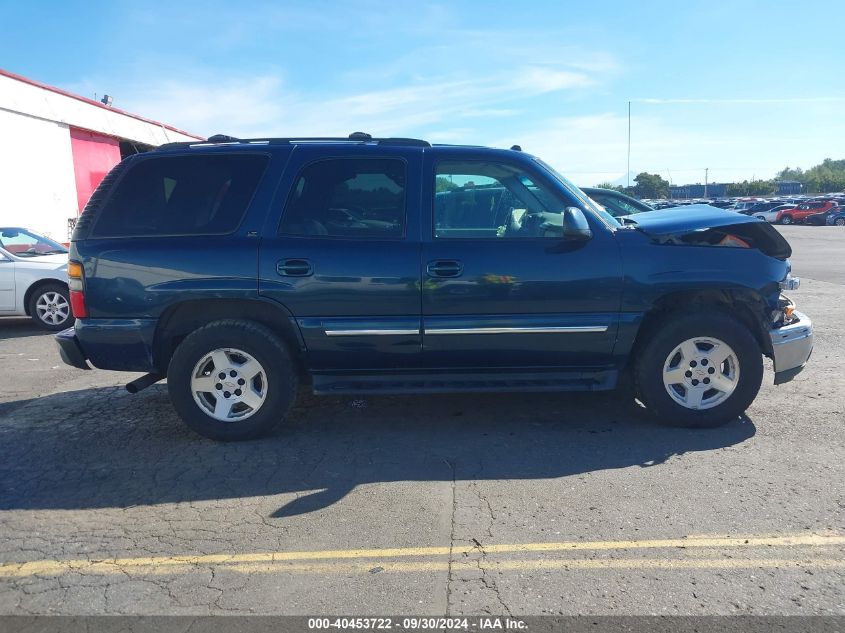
(19, 96)
(37, 185)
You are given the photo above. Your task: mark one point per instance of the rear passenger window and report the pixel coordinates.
(181, 195)
(348, 197)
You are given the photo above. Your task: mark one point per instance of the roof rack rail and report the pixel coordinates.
(222, 138)
(355, 137)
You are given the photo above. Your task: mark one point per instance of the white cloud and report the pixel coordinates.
(265, 105)
(593, 149)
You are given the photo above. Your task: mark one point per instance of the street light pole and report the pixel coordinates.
(628, 172)
(706, 172)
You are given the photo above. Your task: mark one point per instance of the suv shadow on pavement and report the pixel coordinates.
(102, 448)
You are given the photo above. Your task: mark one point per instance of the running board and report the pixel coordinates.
(325, 384)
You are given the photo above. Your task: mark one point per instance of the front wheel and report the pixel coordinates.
(698, 371)
(49, 307)
(232, 380)
(787, 219)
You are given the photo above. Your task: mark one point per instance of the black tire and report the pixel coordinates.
(839, 221)
(48, 290)
(787, 220)
(254, 339)
(676, 328)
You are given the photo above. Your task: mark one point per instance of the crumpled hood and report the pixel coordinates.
(694, 217)
(703, 225)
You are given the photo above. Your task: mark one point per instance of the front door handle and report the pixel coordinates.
(445, 268)
(294, 268)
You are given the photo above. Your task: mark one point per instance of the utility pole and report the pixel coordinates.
(706, 173)
(628, 172)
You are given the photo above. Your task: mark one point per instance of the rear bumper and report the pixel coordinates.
(792, 345)
(116, 344)
(69, 349)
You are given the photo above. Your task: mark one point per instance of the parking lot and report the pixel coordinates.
(459, 504)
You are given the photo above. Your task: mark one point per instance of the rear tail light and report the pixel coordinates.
(75, 282)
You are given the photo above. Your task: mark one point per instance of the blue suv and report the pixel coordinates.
(242, 269)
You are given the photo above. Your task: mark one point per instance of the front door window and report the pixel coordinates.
(491, 200)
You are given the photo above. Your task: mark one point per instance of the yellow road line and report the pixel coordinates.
(274, 559)
(541, 564)
(343, 567)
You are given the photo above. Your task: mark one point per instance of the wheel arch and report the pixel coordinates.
(748, 306)
(180, 319)
(35, 286)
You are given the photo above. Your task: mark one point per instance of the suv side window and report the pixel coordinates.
(181, 195)
(348, 198)
(493, 200)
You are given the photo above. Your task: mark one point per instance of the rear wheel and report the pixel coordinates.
(232, 380)
(839, 221)
(698, 371)
(49, 307)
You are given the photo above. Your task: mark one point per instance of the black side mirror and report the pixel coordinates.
(575, 225)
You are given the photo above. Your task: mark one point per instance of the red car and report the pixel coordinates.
(802, 211)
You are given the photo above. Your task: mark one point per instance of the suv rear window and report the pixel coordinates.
(181, 195)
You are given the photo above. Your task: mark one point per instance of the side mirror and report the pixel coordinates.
(575, 225)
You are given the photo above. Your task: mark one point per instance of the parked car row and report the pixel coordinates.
(819, 210)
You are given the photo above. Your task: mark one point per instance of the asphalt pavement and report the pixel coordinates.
(460, 504)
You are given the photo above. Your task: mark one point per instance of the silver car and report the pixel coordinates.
(772, 214)
(33, 278)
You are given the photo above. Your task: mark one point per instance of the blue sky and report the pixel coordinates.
(744, 88)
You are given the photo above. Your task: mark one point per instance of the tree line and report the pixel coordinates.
(826, 177)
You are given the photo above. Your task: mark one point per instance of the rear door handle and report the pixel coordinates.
(445, 268)
(294, 268)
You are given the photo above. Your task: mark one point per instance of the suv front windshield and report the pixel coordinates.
(581, 196)
(23, 243)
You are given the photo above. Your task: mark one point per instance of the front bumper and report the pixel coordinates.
(791, 346)
(70, 350)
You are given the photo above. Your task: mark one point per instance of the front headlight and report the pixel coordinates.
(790, 283)
(783, 315)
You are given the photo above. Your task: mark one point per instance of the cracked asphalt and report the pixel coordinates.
(460, 504)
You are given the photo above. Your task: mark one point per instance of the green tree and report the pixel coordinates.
(752, 188)
(651, 186)
(827, 176)
(787, 173)
(444, 184)
(609, 185)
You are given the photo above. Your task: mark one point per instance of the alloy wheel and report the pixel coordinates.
(229, 384)
(701, 373)
(52, 308)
